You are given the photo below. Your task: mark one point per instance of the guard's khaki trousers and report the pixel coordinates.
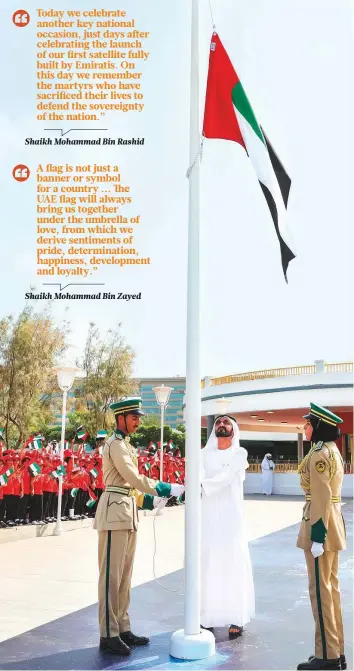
(116, 550)
(326, 604)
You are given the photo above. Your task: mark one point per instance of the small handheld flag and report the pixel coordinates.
(35, 469)
(92, 500)
(81, 434)
(59, 471)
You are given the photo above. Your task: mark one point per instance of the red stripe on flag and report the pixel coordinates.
(220, 120)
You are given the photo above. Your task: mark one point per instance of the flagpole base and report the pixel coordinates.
(58, 529)
(196, 646)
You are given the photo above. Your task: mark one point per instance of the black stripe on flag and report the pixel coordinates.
(286, 254)
(282, 176)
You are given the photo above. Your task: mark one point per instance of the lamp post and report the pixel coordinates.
(66, 376)
(222, 405)
(162, 394)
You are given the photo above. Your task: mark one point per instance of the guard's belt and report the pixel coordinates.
(335, 499)
(126, 491)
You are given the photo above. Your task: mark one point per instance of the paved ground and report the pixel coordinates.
(48, 578)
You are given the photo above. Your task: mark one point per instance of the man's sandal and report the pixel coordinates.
(235, 631)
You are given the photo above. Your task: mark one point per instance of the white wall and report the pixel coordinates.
(283, 399)
(287, 484)
(263, 435)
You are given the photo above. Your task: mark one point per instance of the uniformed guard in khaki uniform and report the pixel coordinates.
(117, 522)
(322, 535)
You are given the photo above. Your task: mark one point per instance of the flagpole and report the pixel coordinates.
(192, 642)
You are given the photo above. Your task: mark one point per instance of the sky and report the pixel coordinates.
(295, 61)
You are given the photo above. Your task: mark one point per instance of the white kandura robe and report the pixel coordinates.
(267, 476)
(227, 591)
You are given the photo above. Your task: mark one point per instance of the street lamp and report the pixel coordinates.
(222, 405)
(66, 376)
(162, 394)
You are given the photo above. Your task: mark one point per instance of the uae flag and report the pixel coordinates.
(3, 479)
(37, 443)
(92, 500)
(35, 469)
(94, 472)
(74, 491)
(228, 115)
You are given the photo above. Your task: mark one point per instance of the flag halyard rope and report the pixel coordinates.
(198, 157)
(211, 15)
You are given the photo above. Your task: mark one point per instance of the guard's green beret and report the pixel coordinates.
(322, 413)
(129, 405)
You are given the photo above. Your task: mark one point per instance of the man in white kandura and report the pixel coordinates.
(227, 591)
(268, 467)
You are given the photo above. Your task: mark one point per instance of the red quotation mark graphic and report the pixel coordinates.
(21, 18)
(21, 173)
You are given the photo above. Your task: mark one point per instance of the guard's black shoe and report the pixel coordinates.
(131, 639)
(115, 645)
(315, 664)
(343, 661)
(207, 628)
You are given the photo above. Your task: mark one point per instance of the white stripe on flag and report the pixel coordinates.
(260, 160)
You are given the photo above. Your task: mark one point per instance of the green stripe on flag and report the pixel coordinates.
(74, 491)
(243, 106)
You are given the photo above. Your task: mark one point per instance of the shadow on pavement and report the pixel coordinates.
(280, 635)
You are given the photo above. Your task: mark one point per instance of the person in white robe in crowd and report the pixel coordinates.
(268, 467)
(227, 590)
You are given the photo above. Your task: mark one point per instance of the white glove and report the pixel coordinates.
(177, 490)
(317, 549)
(159, 502)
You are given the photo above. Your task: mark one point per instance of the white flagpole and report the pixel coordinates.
(192, 642)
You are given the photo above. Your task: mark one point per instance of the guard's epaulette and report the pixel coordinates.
(318, 446)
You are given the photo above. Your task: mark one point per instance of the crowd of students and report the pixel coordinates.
(29, 478)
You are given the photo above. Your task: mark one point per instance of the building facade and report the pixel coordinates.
(174, 410)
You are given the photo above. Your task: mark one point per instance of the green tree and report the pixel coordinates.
(29, 347)
(150, 420)
(108, 364)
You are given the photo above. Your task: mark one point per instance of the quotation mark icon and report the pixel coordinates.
(21, 173)
(21, 18)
